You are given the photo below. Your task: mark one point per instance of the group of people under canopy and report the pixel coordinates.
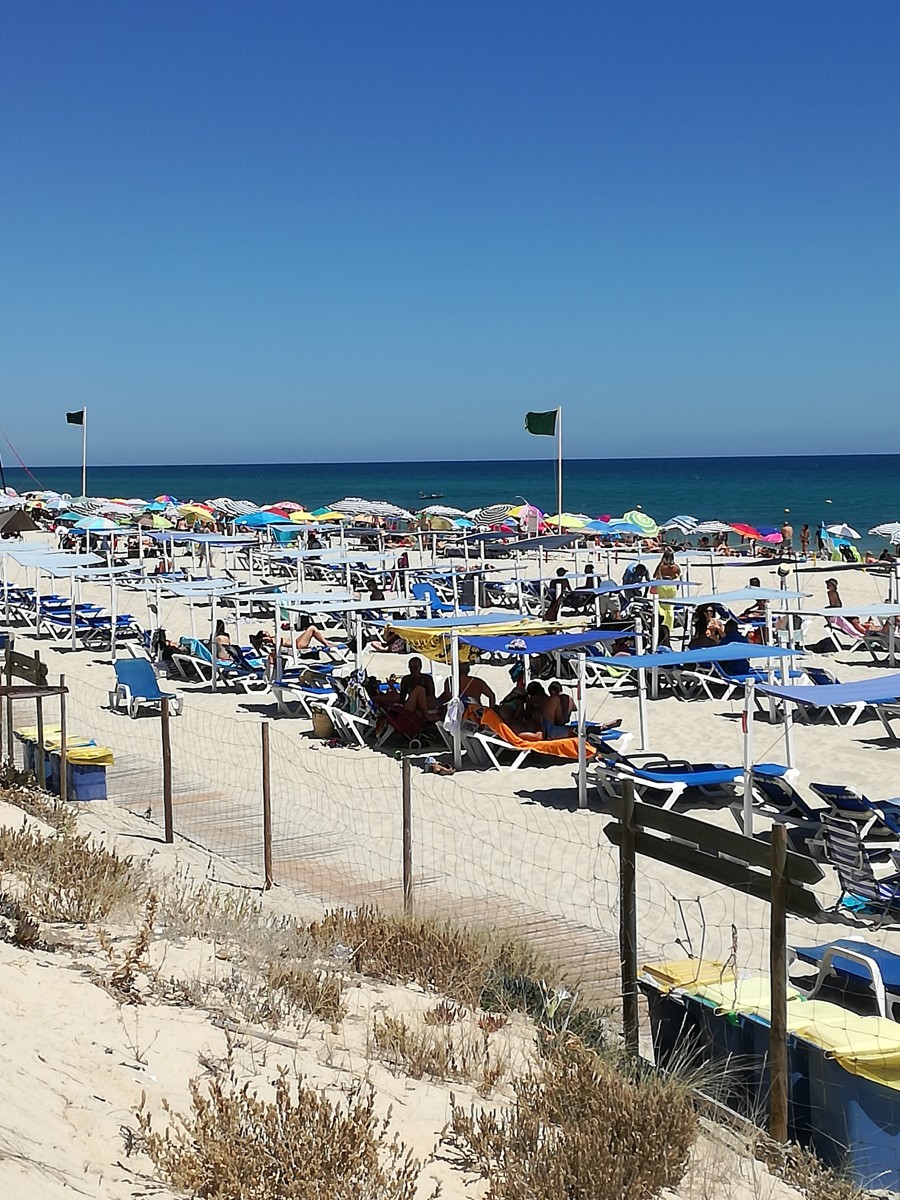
(534, 712)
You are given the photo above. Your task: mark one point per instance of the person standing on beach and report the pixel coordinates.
(667, 569)
(804, 540)
(787, 537)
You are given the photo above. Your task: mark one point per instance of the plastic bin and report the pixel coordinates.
(86, 781)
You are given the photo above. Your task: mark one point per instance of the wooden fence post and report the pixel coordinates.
(267, 807)
(9, 706)
(778, 1057)
(406, 806)
(40, 760)
(63, 735)
(628, 922)
(167, 773)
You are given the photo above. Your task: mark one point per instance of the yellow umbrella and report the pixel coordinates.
(302, 515)
(196, 511)
(566, 520)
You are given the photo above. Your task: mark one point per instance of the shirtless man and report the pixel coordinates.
(471, 689)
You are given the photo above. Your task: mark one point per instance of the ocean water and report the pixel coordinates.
(862, 490)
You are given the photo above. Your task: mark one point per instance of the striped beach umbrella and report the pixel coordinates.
(491, 514)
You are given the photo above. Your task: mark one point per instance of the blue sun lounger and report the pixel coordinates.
(137, 687)
(875, 818)
(859, 962)
(667, 779)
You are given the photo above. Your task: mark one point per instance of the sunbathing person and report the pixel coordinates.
(223, 647)
(471, 689)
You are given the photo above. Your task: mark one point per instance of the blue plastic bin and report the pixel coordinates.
(86, 781)
(856, 1122)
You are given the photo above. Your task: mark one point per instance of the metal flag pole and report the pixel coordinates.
(84, 451)
(559, 460)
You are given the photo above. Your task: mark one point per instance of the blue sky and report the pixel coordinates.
(280, 231)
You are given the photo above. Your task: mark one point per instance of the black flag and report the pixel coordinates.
(75, 418)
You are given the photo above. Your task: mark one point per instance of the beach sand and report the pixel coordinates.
(487, 848)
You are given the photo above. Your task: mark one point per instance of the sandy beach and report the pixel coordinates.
(489, 849)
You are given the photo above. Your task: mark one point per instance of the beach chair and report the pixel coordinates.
(300, 694)
(846, 851)
(194, 665)
(486, 737)
(855, 961)
(427, 593)
(662, 780)
(843, 635)
(874, 819)
(137, 687)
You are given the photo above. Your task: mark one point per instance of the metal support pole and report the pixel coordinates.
(582, 743)
(747, 726)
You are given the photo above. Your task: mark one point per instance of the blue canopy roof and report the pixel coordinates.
(865, 691)
(731, 652)
(543, 643)
(550, 541)
(500, 618)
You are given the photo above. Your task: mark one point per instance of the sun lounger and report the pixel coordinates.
(873, 818)
(194, 665)
(847, 852)
(657, 778)
(854, 960)
(486, 736)
(137, 687)
(299, 694)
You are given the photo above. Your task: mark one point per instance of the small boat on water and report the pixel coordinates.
(431, 495)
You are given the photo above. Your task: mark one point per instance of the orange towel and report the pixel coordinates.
(559, 747)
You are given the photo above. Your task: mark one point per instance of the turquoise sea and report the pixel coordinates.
(862, 490)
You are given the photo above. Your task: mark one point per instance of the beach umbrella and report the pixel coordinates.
(70, 516)
(620, 525)
(288, 505)
(195, 512)
(328, 514)
(713, 527)
(442, 510)
(769, 534)
(684, 524)
(567, 521)
(463, 523)
(258, 519)
(159, 522)
(165, 500)
(491, 514)
(301, 514)
(842, 531)
(277, 510)
(745, 530)
(644, 522)
(356, 506)
(887, 530)
(95, 524)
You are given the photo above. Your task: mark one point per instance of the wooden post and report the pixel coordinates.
(778, 1057)
(40, 762)
(167, 774)
(63, 735)
(267, 808)
(628, 921)
(406, 806)
(9, 706)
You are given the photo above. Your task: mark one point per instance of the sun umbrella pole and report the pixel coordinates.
(582, 746)
(357, 638)
(654, 646)
(788, 719)
(747, 722)
(113, 604)
(457, 730)
(213, 646)
(642, 683)
(72, 609)
(559, 470)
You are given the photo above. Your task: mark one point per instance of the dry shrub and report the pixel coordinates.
(583, 1128)
(317, 993)
(456, 1055)
(21, 927)
(235, 1146)
(803, 1170)
(42, 805)
(66, 878)
(122, 980)
(460, 963)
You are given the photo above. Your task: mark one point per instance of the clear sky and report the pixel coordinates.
(282, 230)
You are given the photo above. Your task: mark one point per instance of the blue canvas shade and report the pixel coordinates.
(827, 695)
(544, 643)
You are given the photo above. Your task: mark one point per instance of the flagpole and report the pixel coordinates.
(84, 451)
(559, 492)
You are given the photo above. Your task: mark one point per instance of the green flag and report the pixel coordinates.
(543, 423)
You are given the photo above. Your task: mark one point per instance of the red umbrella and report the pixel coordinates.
(745, 530)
